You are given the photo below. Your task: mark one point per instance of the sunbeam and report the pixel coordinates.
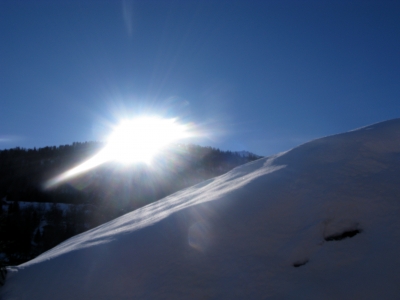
(132, 141)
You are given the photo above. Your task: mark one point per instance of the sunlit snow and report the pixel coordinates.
(320, 221)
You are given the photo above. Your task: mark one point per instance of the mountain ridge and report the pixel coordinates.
(317, 221)
(34, 219)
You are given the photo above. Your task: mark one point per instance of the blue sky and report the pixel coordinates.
(262, 76)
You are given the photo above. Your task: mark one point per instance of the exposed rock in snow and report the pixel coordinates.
(320, 221)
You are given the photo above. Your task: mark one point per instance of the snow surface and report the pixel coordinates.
(272, 229)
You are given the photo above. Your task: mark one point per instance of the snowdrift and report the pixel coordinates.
(320, 221)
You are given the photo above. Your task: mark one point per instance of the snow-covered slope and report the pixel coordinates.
(320, 221)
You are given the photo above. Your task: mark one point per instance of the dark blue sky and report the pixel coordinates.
(262, 76)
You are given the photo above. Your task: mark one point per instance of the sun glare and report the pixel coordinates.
(132, 141)
(138, 140)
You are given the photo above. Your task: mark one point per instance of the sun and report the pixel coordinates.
(132, 141)
(138, 140)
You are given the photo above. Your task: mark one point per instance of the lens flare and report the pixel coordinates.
(132, 141)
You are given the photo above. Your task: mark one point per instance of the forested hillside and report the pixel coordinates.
(34, 219)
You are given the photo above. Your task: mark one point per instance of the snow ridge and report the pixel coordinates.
(317, 222)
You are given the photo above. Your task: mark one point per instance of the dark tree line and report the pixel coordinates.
(23, 171)
(26, 232)
(99, 195)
